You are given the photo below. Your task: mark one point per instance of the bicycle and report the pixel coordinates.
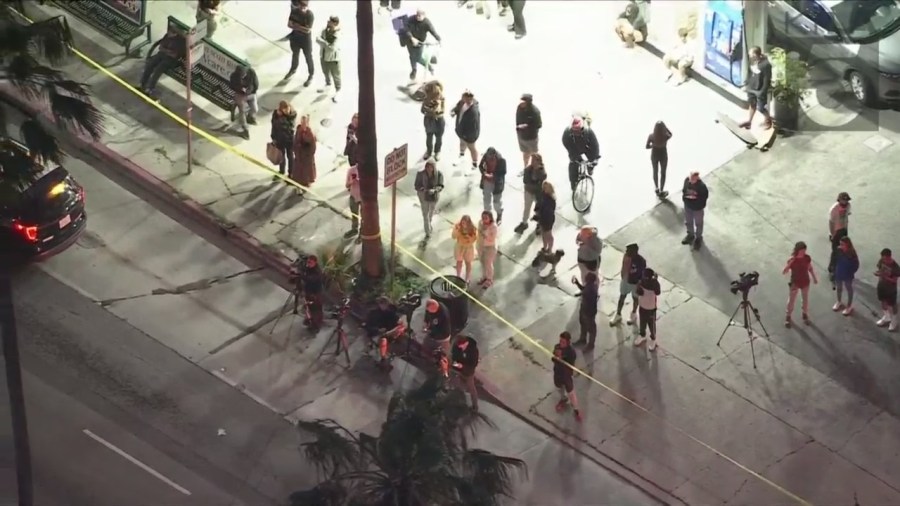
(583, 194)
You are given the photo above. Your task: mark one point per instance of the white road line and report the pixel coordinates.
(136, 462)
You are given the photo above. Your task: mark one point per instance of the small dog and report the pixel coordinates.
(544, 257)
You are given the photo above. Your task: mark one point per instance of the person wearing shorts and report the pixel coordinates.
(888, 271)
(465, 235)
(528, 124)
(563, 361)
(758, 87)
(633, 266)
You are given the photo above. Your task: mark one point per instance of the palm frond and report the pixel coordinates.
(17, 172)
(27, 74)
(327, 493)
(73, 111)
(491, 475)
(40, 142)
(51, 39)
(333, 451)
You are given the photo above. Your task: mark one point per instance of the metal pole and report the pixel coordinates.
(189, 67)
(393, 233)
(16, 390)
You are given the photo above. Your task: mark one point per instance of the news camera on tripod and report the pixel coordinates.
(309, 281)
(384, 325)
(743, 284)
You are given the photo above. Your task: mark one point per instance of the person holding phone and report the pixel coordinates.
(352, 185)
(800, 267)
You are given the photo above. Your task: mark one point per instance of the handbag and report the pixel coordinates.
(274, 154)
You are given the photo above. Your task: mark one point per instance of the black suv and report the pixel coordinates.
(43, 218)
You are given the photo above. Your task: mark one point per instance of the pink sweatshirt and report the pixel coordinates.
(487, 235)
(352, 183)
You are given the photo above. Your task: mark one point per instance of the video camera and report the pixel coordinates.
(745, 281)
(296, 272)
(340, 312)
(409, 302)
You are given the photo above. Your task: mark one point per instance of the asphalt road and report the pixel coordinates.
(103, 411)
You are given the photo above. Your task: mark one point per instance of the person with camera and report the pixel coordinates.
(464, 360)
(563, 374)
(800, 267)
(312, 282)
(587, 311)
(633, 266)
(647, 291)
(437, 327)
(383, 325)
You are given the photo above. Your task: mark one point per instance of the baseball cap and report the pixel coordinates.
(528, 97)
(843, 196)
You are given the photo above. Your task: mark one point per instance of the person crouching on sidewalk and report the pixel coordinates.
(887, 271)
(563, 362)
(465, 234)
(648, 291)
(487, 247)
(801, 269)
(845, 266)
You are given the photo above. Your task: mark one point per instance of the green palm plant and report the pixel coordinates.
(421, 457)
(29, 54)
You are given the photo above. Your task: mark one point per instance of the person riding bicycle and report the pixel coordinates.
(384, 324)
(437, 327)
(580, 143)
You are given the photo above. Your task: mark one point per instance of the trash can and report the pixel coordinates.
(454, 300)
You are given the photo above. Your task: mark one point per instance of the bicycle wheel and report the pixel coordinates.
(583, 195)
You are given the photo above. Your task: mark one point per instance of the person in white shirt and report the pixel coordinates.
(648, 291)
(352, 185)
(487, 247)
(680, 58)
(838, 222)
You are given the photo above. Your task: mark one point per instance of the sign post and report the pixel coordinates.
(194, 48)
(395, 168)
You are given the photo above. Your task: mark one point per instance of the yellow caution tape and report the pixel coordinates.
(519, 332)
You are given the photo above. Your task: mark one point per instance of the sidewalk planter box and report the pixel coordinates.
(786, 114)
(790, 85)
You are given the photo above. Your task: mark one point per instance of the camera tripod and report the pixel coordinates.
(292, 301)
(339, 337)
(746, 307)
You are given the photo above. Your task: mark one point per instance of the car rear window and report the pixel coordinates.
(47, 198)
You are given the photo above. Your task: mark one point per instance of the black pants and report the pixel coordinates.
(287, 152)
(156, 66)
(393, 4)
(835, 243)
(503, 4)
(588, 324)
(302, 44)
(415, 56)
(647, 321)
(434, 135)
(573, 173)
(517, 7)
(659, 158)
(315, 311)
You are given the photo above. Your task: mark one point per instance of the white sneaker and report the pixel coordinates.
(885, 319)
(895, 322)
(652, 345)
(848, 311)
(632, 318)
(837, 306)
(617, 319)
(640, 340)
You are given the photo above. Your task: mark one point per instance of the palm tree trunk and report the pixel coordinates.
(372, 252)
(16, 391)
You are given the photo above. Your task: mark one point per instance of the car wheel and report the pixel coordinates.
(861, 88)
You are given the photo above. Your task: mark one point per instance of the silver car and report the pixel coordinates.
(857, 39)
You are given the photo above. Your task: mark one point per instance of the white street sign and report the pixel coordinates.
(395, 165)
(199, 31)
(197, 53)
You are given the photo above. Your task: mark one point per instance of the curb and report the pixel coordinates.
(279, 264)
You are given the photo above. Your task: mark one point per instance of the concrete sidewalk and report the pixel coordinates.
(799, 424)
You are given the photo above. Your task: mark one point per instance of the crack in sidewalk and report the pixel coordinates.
(194, 286)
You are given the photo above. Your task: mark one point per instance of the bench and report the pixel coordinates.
(123, 21)
(211, 76)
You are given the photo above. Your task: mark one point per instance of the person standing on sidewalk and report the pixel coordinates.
(493, 181)
(694, 195)
(845, 266)
(437, 328)
(563, 363)
(487, 248)
(647, 291)
(589, 293)
(464, 236)
(304, 171)
(532, 179)
(433, 119)
(546, 215)
(518, 12)
(351, 143)
(887, 271)
(352, 185)
(838, 222)
(464, 360)
(283, 120)
(633, 265)
(590, 248)
(208, 10)
(801, 269)
(300, 22)
(528, 125)
(429, 184)
(330, 55)
(657, 143)
(416, 32)
(245, 84)
(468, 125)
(758, 87)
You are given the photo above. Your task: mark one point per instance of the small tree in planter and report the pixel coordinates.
(790, 86)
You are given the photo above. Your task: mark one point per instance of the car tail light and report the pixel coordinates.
(81, 193)
(29, 232)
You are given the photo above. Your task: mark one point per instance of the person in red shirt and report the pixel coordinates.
(801, 270)
(888, 271)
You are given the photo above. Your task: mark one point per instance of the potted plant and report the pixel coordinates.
(790, 86)
(338, 269)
